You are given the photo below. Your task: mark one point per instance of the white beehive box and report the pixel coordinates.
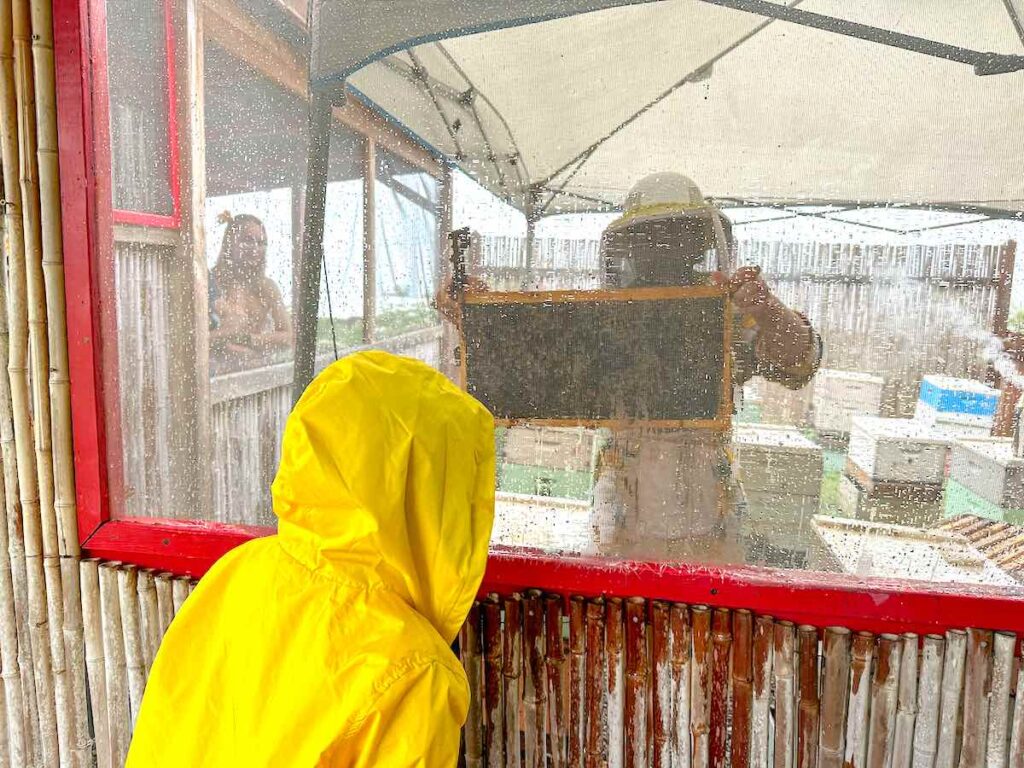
(841, 395)
(897, 450)
(777, 459)
(906, 509)
(989, 469)
(568, 448)
(956, 401)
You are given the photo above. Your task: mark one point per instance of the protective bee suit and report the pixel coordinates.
(328, 644)
(667, 493)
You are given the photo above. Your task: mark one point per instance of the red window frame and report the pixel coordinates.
(191, 547)
(97, 31)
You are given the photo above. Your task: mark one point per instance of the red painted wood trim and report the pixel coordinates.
(78, 221)
(821, 599)
(173, 150)
(146, 219)
(183, 547)
(102, 257)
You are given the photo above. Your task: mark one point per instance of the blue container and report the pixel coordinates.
(945, 394)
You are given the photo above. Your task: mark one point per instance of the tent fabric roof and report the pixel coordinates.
(568, 112)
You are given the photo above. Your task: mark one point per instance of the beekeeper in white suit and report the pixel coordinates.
(663, 493)
(666, 492)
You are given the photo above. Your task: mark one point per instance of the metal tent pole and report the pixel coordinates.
(307, 294)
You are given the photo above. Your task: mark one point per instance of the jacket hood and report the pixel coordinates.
(387, 479)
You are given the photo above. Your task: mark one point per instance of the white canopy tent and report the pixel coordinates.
(577, 108)
(561, 105)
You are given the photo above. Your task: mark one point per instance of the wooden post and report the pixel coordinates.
(906, 705)
(116, 682)
(721, 647)
(512, 670)
(742, 686)
(596, 748)
(95, 661)
(637, 675)
(856, 752)
(661, 685)
(135, 664)
(929, 700)
(808, 715)
(764, 634)
(577, 682)
(784, 651)
(469, 646)
(700, 687)
(535, 700)
(884, 693)
(999, 707)
(834, 698)
(307, 293)
(614, 708)
(977, 688)
(1004, 286)
(679, 626)
(494, 713)
(1017, 735)
(952, 688)
(557, 700)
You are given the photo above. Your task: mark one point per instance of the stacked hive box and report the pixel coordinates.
(956, 408)
(547, 461)
(839, 396)
(987, 480)
(780, 473)
(895, 471)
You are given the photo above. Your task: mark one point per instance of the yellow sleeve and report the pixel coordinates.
(416, 723)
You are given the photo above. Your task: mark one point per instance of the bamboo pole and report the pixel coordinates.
(742, 687)
(17, 117)
(596, 741)
(950, 702)
(164, 601)
(38, 381)
(929, 700)
(637, 675)
(721, 646)
(808, 714)
(764, 631)
(679, 626)
(614, 707)
(884, 694)
(856, 751)
(556, 669)
(906, 704)
(118, 707)
(784, 650)
(14, 724)
(494, 713)
(999, 709)
(60, 428)
(179, 594)
(92, 615)
(535, 684)
(512, 671)
(834, 697)
(150, 615)
(700, 687)
(577, 682)
(469, 647)
(1017, 735)
(661, 684)
(977, 688)
(135, 663)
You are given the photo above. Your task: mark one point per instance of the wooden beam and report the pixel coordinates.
(241, 36)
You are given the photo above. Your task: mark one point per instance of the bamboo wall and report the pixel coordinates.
(561, 681)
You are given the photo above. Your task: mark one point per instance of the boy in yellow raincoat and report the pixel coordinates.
(329, 643)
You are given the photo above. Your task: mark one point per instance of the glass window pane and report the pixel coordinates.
(137, 79)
